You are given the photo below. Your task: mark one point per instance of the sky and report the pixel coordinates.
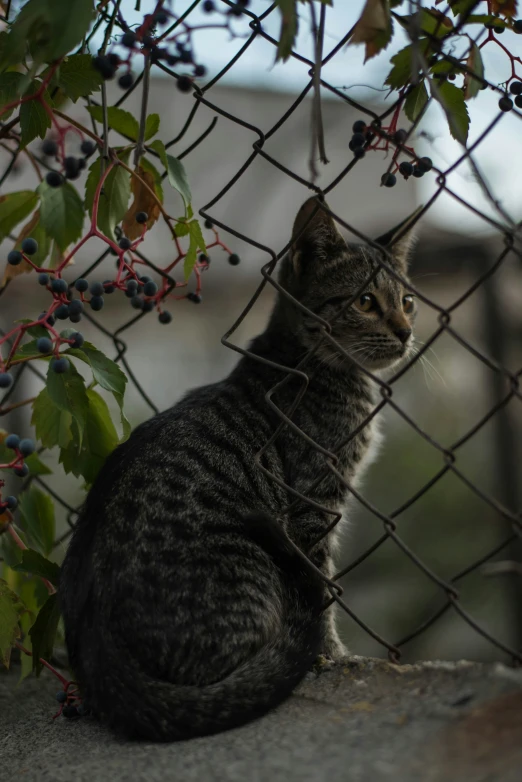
(496, 157)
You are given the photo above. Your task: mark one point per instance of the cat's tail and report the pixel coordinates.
(139, 706)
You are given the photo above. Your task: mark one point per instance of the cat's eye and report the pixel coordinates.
(366, 302)
(407, 304)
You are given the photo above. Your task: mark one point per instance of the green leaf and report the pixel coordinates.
(27, 350)
(14, 207)
(52, 424)
(43, 632)
(114, 197)
(158, 186)
(37, 512)
(33, 562)
(473, 83)
(36, 466)
(289, 28)
(50, 32)
(119, 120)
(100, 440)
(403, 72)
(416, 101)
(432, 22)
(151, 126)
(77, 77)
(68, 393)
(197, 242)
(12, 85)
(106, 373)
(11, 608)
(62, 213)
(34, 119)
(34, 331)
(452, 101)
(175, 170)
(182, 229)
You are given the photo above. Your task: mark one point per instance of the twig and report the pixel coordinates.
(140, 146)
(317, 117)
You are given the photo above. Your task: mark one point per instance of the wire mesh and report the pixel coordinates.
(389, 523)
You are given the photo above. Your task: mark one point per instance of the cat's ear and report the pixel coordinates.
(314, 236)
(401, 239)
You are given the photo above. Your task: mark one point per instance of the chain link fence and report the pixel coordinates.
(503, 556)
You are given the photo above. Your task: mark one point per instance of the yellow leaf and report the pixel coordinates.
(143, 202)
(374, 27)
(506, 8)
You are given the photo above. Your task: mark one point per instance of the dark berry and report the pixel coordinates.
(44, 344)
(518, 101)
(11, 502)
(203, 258)
(425, 164)
(6, 379)
(72, 169)
(124, 243)
(209, 6)
(96, 303)
(26, 447)
(87, 148)
(505, 104)
(358, 140)
(75, 317)
(48, 319)
(62, 312)
(164, 317)
(185, 56)
(359, 152)
(142, 217)
(108, 287)
(76, 307)
(517, 26)
(78, 339)
(161, 18)
(59, 286)
(137, 302)
(145, 279)
(515, 87)
(499, 29)
(150, 288)
(184, 83)
(43, 279)
(60, 365)
(70, 712)
(400, 136)
(21, 471)
(81, 163)
(194, 297)
(96, 288)
(418, 172)
(126, 80)
(61, 696)
(104, 66)
(128, 40)
(236, 10)
(131, 286)
(81, 285)
(12, 441)
(15, 257)
(114, 59)
(148, 306)
(50, 148)
(172, 59)
(406, 168)
(388, 180)
(54, 179)
(209, 224)
(234, 259)
(29, 246)
(83, 710)
(359, 126)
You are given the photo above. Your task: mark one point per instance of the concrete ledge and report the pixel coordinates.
(362, 720)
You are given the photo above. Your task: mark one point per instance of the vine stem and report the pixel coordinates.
(21, 545)
(140, 146)
(16, 405)
(59, 676)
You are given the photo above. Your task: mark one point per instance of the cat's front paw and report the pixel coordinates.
(333, 649)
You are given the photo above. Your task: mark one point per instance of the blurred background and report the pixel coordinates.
(449, 527)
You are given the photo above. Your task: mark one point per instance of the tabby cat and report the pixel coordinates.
(187, 610)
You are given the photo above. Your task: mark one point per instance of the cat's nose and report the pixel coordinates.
(403, 335)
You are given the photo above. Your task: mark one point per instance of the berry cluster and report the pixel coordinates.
(70, 703)
(22, 448)
(360, 139)
(71, 166)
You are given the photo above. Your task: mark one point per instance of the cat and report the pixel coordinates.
(187, 608)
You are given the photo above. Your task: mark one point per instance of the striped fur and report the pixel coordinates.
(186, 610)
